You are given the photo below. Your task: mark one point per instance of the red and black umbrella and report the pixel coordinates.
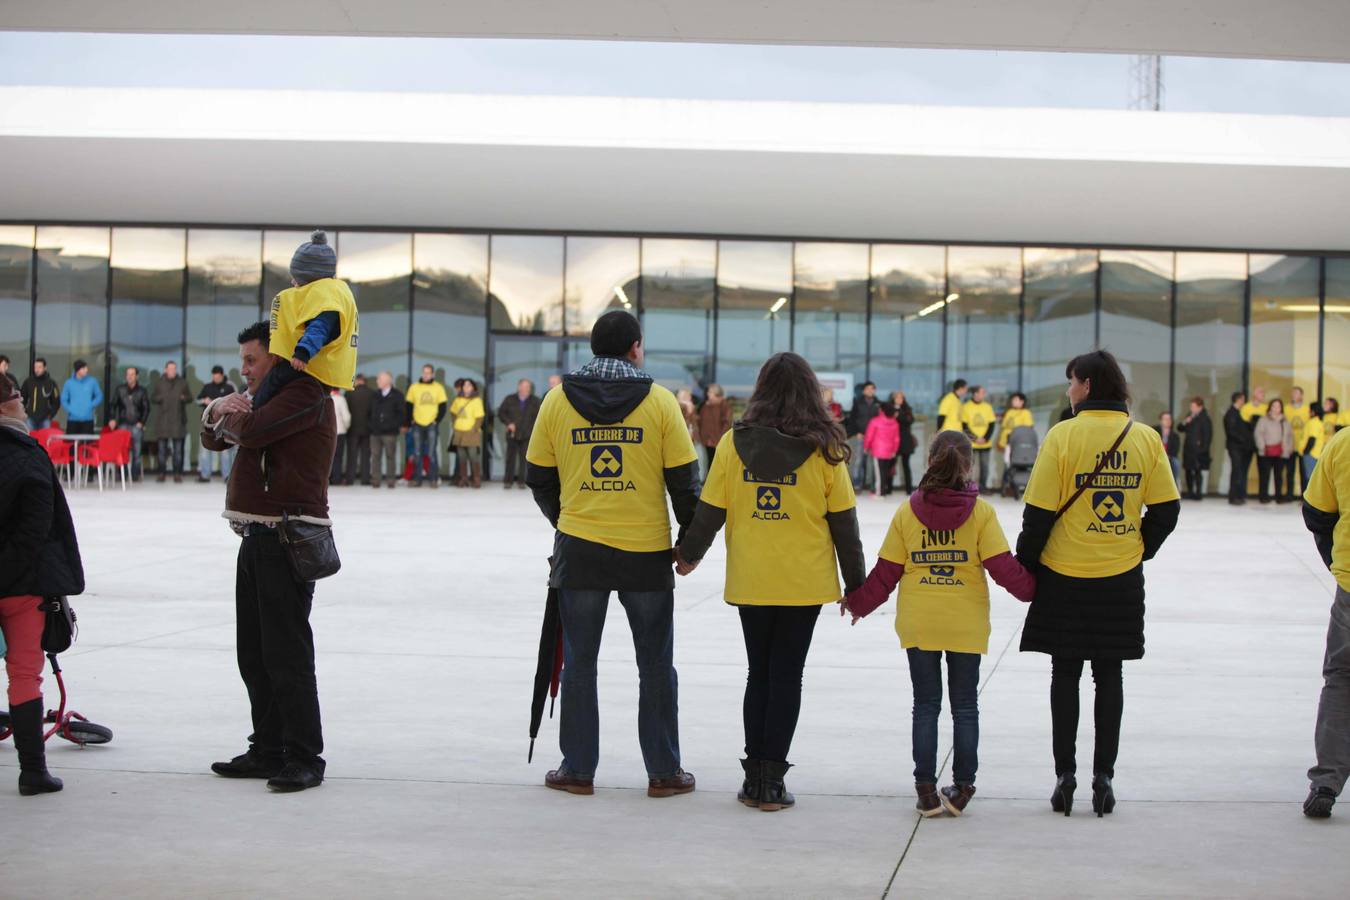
(549, 668)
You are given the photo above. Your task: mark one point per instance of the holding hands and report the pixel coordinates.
(681, 566)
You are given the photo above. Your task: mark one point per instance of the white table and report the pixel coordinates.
(76, 479)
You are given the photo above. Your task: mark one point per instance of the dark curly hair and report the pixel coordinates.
(787, 397)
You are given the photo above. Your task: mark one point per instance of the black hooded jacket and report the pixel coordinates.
(771, 454)
(580, 564)
(38, 551)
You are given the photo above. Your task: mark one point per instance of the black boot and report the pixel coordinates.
(750, 788)
(1103, 795)
(26, 720)
(1062, 799)
(773, 794)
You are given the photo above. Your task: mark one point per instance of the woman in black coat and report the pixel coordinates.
(1199, 432)
(1101, 500)
(39, 557)
(905, 416)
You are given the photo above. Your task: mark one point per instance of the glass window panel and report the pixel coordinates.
(983, 309)
(602, 275)
(830, 308)
(526, 283)
(224, 278)
(1336, 360)
(72, 299)
(754, 303)
(146, 321)
(1211, 296)
(679, 282)
(1137, 325)
(1284, 329)
(16, 297)
(1059, 321)
(378, 266)
(908, 286)
(278, 248)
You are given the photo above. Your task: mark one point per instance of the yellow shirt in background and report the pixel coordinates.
(1013, 418)
(977, 417)
(426, 399)
(1315, 430)
(1329, 491)
(613, 476)
(950, 410)
(467, 411)
(779, 548)
(944, 598)
(1250, 412)
(1099, 535)
(293, 308)
(1331, 422)
(1298, 420)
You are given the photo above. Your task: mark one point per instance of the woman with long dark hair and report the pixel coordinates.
(1100, 501)
(779, 482)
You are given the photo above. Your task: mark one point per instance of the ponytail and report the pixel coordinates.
(950, 458)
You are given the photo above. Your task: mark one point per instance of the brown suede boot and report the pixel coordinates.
(477, 474)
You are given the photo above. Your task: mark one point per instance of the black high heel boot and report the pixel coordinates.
(1103, 796)
(1062, 799)
(26, 720)
(750, 788)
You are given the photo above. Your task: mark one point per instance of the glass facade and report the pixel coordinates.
(496, 308)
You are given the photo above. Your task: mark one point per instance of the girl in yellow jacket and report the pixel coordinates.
(938, 548)
(779, 482)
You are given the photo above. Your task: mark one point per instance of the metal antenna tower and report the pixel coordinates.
(1146, 84)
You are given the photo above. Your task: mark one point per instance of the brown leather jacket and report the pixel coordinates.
(285, 454)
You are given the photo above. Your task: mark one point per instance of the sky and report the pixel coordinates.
(687, 71)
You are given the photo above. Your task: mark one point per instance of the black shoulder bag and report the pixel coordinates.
(1101, 464)
(310, 549)
(59, 629)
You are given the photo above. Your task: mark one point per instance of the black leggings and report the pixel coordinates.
(777, 639)
(906, 473)
(1065, 674)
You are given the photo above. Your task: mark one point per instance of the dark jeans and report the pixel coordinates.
(426, 440)
(80, 427)
(358, 458)
(1241, 461)
(887, 466)
(1195, 482)
(385, 457)
(777, 639)
(1332, 737)
(1268, 468)
(1065, 674)
(515, 461)
(339, 460)
(651, 618)
(1294, 463)
(906, 473)
(963, 686)
(164, 450)
(982, 457)
(276, 653)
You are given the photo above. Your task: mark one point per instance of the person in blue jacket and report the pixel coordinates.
(81, 397)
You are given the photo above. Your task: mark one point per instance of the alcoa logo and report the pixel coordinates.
(607, 461)
(943, 571)
(769, 505)
(1109, 505)
(944, 576)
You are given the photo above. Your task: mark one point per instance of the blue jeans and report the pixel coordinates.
(651, 618)
(963, 685)
(425, 441)
(1176, 468)
(206, 461)
(860, 464)
(35, 424)
(1309, 463)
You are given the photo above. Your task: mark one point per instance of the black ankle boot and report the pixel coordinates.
(750, 788)
(1103, 795)
(26, 720)
(1062, 799)
(773, 794)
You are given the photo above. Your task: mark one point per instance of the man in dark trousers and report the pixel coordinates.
(359, 400)
(387, 418)
(865, 408)
(214, 389)
(169, 403)
(295, 430)
(517, 413)
(1240, 442)
(41, 396)
(606, 450)
(130, 409)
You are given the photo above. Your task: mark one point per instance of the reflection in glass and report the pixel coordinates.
(679, 282)
(278, 248)
(16, 297)
(754, 318)
(224, 278)
(602, 275)
(830, 307)
(1059, 312)
(1284, 330)
(909, 283)
(983, 308)
(147, 302)
(1336, 360)
(72, 299)
(378, 266)
(514, 358)
(1137, 326)
(526, 283)
(1211, 296)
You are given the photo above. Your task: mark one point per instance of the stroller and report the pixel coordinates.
(1022, 448)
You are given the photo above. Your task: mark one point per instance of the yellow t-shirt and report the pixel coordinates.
(1013, 418)
(335, 363)
(467, 411)
(779, 549)
(1329, 491)
(944, 598)
(977, 417)
(1099, 535)
(1250, 412)
(613, 476)
(1317, 431)
(426, 399)
(1298, 420)
(950, 411)
(1331, 422)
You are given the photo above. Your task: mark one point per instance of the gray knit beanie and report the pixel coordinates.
(314, 260)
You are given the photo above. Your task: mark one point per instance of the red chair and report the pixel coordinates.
(113, 449)
(59, 452)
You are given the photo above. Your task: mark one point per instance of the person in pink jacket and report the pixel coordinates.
(882, 443)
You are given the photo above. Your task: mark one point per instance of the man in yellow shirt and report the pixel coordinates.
(978, 422)
(1256, 407)
(949, 408)
(605, 451)
(1296, 411)
(426, 407)
(1326, 512)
